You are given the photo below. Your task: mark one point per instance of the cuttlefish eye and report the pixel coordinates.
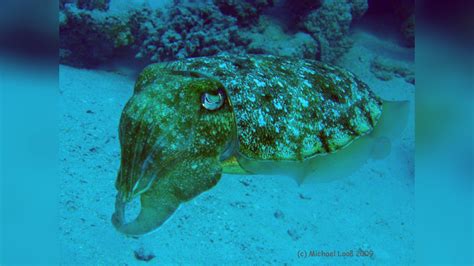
(213, 101)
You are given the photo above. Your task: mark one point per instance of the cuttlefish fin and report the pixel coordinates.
(328, 167)
(389, 128)
(375, 145)
(393, 120)
(187, 180)
(232, 166)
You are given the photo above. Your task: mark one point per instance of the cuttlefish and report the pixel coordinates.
(192, 120)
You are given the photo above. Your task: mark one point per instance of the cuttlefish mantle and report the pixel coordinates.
(191, 120)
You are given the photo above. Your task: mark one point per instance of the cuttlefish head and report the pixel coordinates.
(173, 133)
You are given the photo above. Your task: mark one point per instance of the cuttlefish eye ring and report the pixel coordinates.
(212, 101)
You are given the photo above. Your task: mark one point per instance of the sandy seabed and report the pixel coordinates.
(365, 218)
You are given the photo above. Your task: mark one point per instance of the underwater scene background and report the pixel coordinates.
(366, 217)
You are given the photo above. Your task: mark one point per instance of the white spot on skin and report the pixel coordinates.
(308, 70)
(335, 78)
(259, 83)
(251, 97)
(261, 120)
(296, 131)
(304, 102)
(277, 105)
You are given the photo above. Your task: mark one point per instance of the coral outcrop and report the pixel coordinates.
(358, 8)
(90, 35)
(63, 3)
(188, 31)
(330, 24)
(300, 9)
(270, 38)
(386, 69)
(246, 12)
(93, 4)
(88, 38)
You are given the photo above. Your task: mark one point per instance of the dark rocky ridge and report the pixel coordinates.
(90, 35)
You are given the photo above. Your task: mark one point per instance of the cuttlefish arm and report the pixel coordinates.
(188, 179)
(174, 132)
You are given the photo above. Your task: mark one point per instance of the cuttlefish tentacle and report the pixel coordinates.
(187, 180)
(173, 135)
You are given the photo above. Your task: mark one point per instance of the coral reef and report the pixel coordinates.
(188, 31)
(246, 12)
(93, 4)
(329, 25)
(88, 38)
(102, 5)
(63, 3)
(386, 69)
(358, 8)
(270, 38)
(300, 9)
(184, 30)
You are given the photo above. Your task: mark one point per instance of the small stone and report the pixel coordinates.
(70, 205)
(244, 182)
(293, 234)
(238, 204)
(304, 197)
(141, 254)
(279, 214)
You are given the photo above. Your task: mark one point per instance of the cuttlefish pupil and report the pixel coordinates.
(213, 102)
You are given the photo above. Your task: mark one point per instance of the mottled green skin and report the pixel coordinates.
(167, 107)
(290, 109)
(275, 109)
(170, 145)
